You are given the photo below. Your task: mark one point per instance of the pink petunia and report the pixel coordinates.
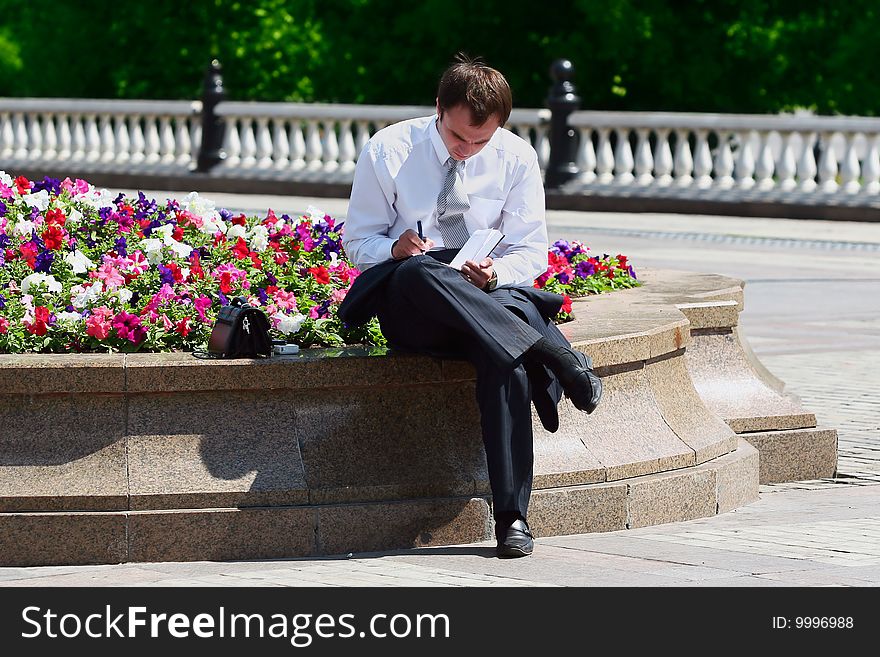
(4, 325)
(111, 276)
(285, 300)
(98, 323)
(202, 304)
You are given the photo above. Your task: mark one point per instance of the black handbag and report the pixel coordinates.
(241, 331)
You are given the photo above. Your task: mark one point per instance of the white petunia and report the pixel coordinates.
(37, 278)
(124, 294)
(74, 216)
(24, 228)
(315, 213)
(235, 231)
(259, 238)
(69, 316)
(98, 198)
(289, 323)
(153, 248)
(182, 250)
(40, 200)
(79, 262)
(6, 179)
(83, 297)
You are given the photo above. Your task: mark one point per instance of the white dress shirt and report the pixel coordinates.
(400, 173)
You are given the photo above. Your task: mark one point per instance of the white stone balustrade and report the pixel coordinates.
(321, 142)
(797, 158)
(787, 158)
(144, 136)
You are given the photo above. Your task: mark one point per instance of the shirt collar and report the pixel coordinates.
(439, 147)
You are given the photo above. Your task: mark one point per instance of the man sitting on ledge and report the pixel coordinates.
(421, 187)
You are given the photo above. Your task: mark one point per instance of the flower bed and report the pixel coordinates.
(83, 270)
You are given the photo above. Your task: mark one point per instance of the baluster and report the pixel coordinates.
(871, 166)
(362, 137)
(827, 165)
(724, 162)
(64, 138)
(745, 162)
(806, 168)
(232, 143)
(297, 145)
(7, 136)
(542, 146)
(263, 144)
(93, 138)
(849, 168)
(183, 156)
(78, 138)
(644, 159)
(166, 140)
(330, 147)
(19, 129)
(765, 165)
(123, 141)
(136, 134)
(347, 153)
(248, 144)
(313, 145)
(605, 158)
(703, 160)
(50, 138)
(683, 163)
(786, 167)
(663, 159)
(195, 139)
(281, 145)
(35, 138)
(623, 158)
(152, 140)
(586, 157)
(108, 143)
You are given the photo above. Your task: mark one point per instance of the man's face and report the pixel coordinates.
(462, 139)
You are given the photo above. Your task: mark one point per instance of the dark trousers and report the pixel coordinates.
(428, 307)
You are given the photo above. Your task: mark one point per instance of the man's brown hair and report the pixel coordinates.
(480, 88)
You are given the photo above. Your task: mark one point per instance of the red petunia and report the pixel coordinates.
(23, 185)
(40, 324)
(240, 250)
(239, 220)
(226, 282)
(177, 233)
(53, 237)
(183, 327)
(566, 304)
(320, 274)
(255, 259)
(55, 217)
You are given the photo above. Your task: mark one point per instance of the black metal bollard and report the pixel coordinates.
(562, 101)
(211, 149)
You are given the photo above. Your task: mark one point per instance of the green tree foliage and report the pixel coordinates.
(688, 55)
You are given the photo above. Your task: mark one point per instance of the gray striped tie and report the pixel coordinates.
(451, 206)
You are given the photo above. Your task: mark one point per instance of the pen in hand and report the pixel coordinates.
(421, 235)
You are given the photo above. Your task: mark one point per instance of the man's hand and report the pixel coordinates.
(477, 274)
(409, 244)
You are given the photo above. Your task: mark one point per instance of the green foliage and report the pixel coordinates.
(690, 55)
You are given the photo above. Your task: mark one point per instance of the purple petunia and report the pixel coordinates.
(584, 269)
(44, 262)
(51, 185)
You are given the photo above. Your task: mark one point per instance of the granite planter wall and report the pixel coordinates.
(156, 457)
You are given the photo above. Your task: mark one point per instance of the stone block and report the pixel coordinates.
(737, 477)
(671, 497)
(62, 539)
(63, 453)
(402, 524)
(210, 449)
(39, 374)
(222, 534)
(578, 509)
(795, 455)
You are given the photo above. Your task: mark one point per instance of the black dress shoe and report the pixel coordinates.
(514, 540)
(581, 385)
(573, 369)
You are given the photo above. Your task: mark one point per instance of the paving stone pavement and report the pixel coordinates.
(816, 533)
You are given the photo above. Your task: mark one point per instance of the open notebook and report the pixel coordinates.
(479, 245)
